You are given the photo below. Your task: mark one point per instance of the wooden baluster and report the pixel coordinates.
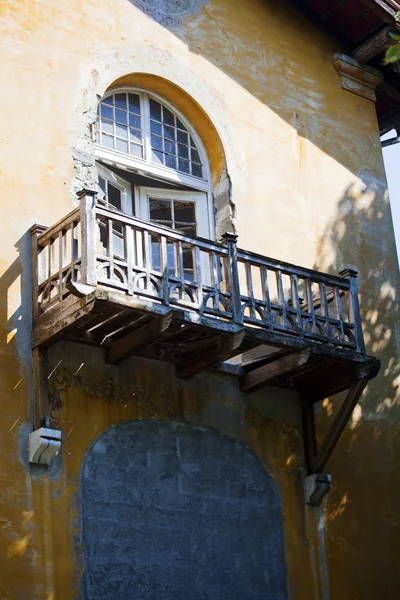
(50, 267)
(147, 258)
(110, 247)
(310, 305)
(296, 301)
(339, 314)
(250, 290)
(164, 269)
(215, 280)
(38, 272)
(128, 249)
(325, 310)
(265, 292)
(60, 263)
(181, 271)
(234, 284)
(281, 296)
(199, 279)
(88, 236)
(354, 308)
(73, 250)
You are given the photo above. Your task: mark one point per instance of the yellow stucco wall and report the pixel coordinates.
(308, 186)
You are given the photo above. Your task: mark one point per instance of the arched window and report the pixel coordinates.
(152, 163)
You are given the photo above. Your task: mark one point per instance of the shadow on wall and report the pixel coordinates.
(16, 321)
(283, 81)
(365, 464)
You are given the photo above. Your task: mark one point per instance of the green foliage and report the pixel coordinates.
(392, 54)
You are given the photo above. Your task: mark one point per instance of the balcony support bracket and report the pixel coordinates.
(316, 458)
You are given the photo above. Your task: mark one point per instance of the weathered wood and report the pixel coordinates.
(337, 379)
(355, 314)
(211, 356)
(50, 325)
(373, 45)
(88, 236)
(279, 367)
(40, 385)
(338, 425)
(138, 340)
(35, 232)
(53, 231)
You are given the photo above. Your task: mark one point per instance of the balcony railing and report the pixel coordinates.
(213, 282)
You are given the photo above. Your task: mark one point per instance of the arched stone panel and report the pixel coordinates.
(173, 511)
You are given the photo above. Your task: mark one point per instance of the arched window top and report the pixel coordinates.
(144, 129)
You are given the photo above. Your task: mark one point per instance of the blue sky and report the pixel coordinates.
(391, 156)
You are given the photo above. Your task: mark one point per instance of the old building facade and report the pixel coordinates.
(143, 143)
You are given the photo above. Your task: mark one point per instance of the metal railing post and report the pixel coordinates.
(88, 236)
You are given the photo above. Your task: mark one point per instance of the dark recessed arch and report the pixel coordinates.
(175, 511)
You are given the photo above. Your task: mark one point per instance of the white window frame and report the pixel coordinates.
(198, 198)
(120, 183)
(146, 167)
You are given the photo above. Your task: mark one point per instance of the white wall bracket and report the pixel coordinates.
(44, 444)
(317, 486)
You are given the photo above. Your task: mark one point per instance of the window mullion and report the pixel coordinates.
(146, 127)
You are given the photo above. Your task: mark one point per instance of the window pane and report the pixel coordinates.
(107, 141)
(168, 117)
(156, 128)
(136, 150)
(155, 254)
(195, 155)
(155, 110)
(170, 161)
(180, 124)
(183, 166)
(106, 111)
(114, 196)
(122, 146)
(135, 134)
(134, 103)
(182, 137)
(121, 131)
(107, 126)
(183, 151)
(121, 117)
(169, 132)
(156, 142)
(184, 212)
(197, 170)
(120, 101)
(134, 121)
(109, 100)
(160, 210)
(102, 184)
(157, 157)
(169, 147)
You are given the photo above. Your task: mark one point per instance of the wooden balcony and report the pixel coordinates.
(136, 288)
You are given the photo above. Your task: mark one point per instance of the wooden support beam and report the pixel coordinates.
(277, 367)
(40, 385)
(51, 324)
(338, 425)
(209, 357)
(338, 380)
(138, 340)
(373, 45)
